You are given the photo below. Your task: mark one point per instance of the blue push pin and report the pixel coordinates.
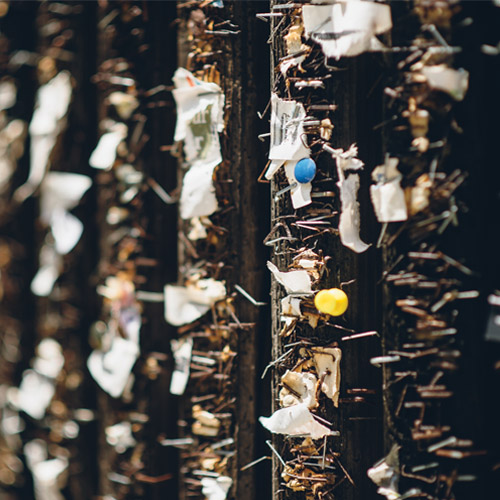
(305, 170)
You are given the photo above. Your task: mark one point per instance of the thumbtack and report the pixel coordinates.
(333, 301)
(305, 170)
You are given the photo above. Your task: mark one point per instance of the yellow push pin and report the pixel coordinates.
(333, 301)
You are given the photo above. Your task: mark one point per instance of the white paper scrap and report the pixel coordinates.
(287, 130)
(349, 223)
(216, 488)
(52, 104)
(198, 192)
(182, 350)
(8, 94)
(185, 304)
(49, 360)
(104, 155)
(301, 193)
(296, 282)
(454, 82)
(387, 195)
(111, 369)
(120, 436)
(50, 268)
(295, 420)
(347, 28)
(200, 108)
(303, 386)
(327, 363)
(35, 394)
(49, 476)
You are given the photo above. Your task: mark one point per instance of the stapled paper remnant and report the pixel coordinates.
(301, 193)
(8, 94)
(295, 282)
(61, 192)
(200, 107)
(387, 195)
(52, 104)
(327, 363)
(287, 131)
(454, 82)
(49, 475)
(386, 476)
(120, 436)
(198, 192)
(104, 155)
(111, 369)
(206, 424)
(125, 104)
(216, 488)
(347, 28)
(182, 350)
(295, 420)
(185, 304)
(298, 388)
(349, 224)
(38, 385)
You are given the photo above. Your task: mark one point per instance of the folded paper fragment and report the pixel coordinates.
(296, 282)
(295, 420)
(347, 28)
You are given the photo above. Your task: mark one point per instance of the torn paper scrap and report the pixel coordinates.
(185, 304)
(298, 387)
(35, 394)
(61, 191)
(120, 436)
(182, 350)
(52, 104)
(198, 192)
(296, 51)
(385, 474)
(207, 424)
(112, 369)
(387, 195)
(287, 130)
(296, 282)
(50, 266)
(200, 108)
(290, 307)
(104, 155)
(327, 363)
(8, 94)
(125, 104)
(295, 420)
(347, 28)
(349, 224)
(49, 475)
(49, 359)
(301, 193)
(216, 488)
(454, 82)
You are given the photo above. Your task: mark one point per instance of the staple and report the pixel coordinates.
(245, 294)
(273, 449)
(255, 462)
(449, 441)
(360, 335)
(162, 194)
(263, 16)
(152, 479)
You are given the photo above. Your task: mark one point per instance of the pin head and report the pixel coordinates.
(333, 301)
(305, 170)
